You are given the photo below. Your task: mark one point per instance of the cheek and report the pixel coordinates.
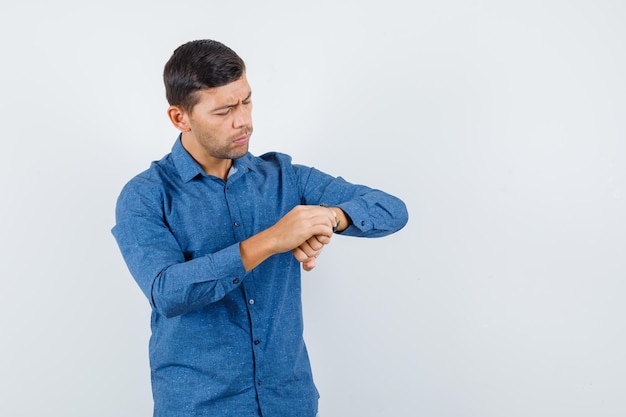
(209, 128)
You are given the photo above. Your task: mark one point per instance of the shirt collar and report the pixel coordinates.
(188, 168)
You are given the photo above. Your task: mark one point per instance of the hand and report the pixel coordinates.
(308, 252)
(294, 230)
(307, 228)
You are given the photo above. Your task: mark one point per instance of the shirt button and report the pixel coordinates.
(236, 224)
(236, 281)
(251, 301)
(259, 382)
(362, 222)
(256, 342)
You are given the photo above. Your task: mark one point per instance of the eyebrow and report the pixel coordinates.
(227, 106)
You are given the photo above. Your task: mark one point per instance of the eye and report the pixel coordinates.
(223, 112)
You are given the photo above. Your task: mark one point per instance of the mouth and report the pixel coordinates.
(242, 140)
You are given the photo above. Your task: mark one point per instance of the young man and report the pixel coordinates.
(216, 238)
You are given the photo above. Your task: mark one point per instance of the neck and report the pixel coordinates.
(211, 165)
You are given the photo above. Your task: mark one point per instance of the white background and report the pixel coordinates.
(501, 124)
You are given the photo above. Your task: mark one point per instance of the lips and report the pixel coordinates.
(242, 140)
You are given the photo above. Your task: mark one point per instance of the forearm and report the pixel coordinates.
(373, 214)
(369, 212)
(187, 286)
(172, 282)
(256, 249)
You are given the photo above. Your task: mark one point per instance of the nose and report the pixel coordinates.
(243, 116)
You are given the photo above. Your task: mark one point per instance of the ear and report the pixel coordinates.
(179, 118)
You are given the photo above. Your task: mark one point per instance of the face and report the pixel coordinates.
(220, 124)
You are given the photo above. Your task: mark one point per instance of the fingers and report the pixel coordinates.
(301, 224)
(308, 228)
(316, 243)
(318, 216)
(325, 223)
(308, 266)
(307, 263)
(313, 246)
(322, 239)
(308, 252)
(305, 252)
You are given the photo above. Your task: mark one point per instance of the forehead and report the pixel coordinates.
(230, 93)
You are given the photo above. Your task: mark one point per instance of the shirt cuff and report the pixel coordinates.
(229, 267)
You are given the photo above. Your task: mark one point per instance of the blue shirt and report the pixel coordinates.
(225, 342)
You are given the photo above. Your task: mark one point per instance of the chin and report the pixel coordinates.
(239, 153)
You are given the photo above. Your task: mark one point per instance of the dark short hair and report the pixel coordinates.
(198, 65)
